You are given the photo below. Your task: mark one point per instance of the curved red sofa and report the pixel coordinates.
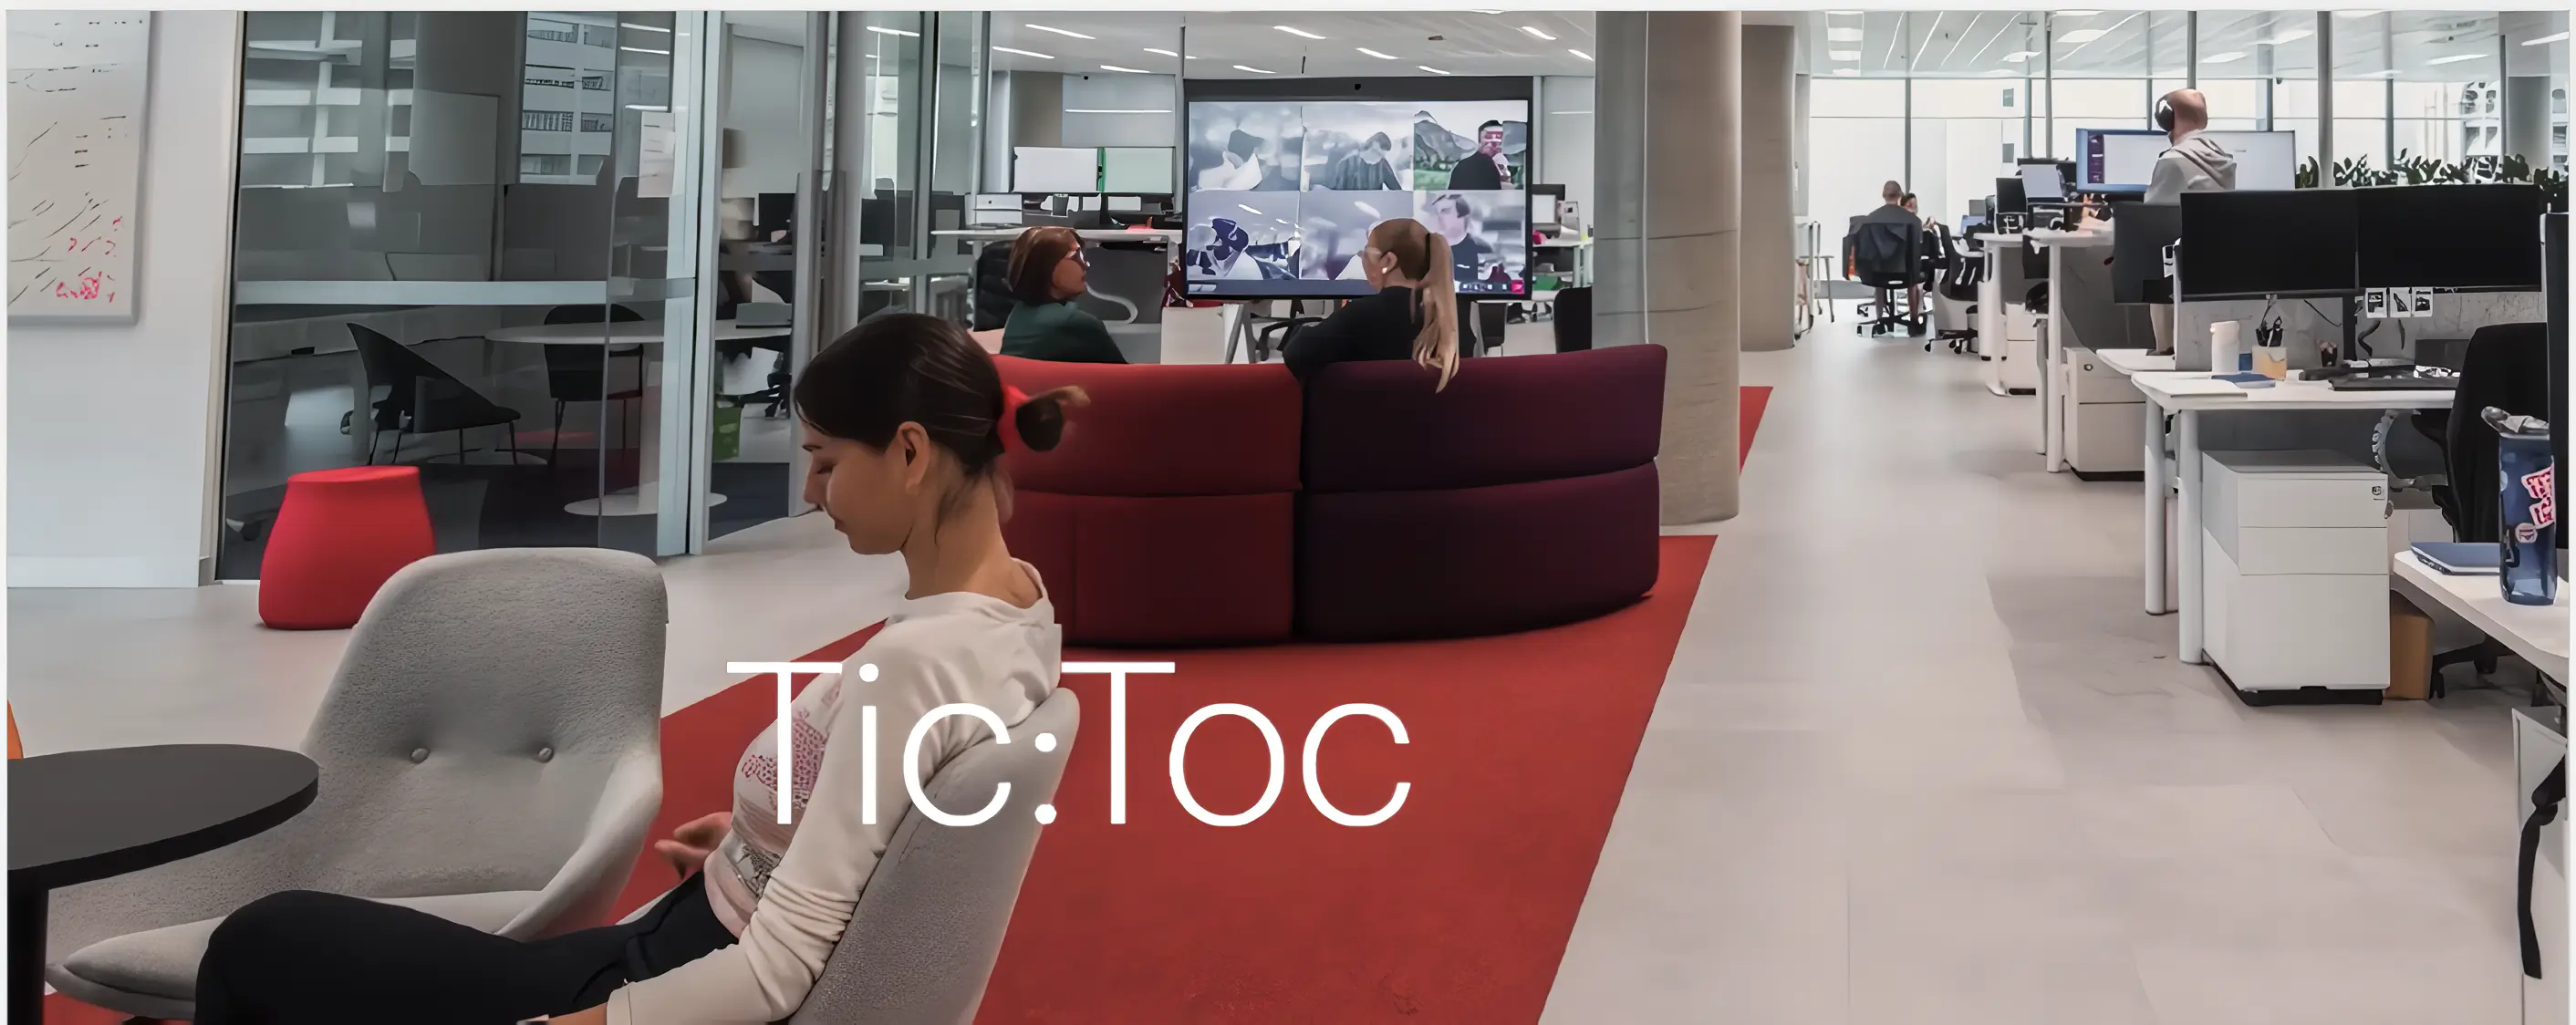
(1523, 495)
(1226, 505)
(1167, 515)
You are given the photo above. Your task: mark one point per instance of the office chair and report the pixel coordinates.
(1573, 319)
(421, 398)
(1954, 302)
(992, 286)
(579, 373)
(2505, 366)
(1888, 257)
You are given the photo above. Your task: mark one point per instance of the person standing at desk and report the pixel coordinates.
(2194, 163)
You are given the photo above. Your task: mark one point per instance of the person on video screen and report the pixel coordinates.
(1455, 218)
(1240, 169)
(1225, 257)
(1364, 170)
(1483, 169)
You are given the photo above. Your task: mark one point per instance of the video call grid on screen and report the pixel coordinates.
(1286, 178)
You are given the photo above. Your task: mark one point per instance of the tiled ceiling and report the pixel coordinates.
(1222, 45)
(2401, 44)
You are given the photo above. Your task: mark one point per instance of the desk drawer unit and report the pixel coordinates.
(2103, 423)
(2295, 584)
(2539, 746)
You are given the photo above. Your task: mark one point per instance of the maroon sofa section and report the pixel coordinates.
(1523, 495)
(1167, 516)
(1225, 505)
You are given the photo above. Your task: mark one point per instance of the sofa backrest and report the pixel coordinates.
(1379, 426)
(1157, 430)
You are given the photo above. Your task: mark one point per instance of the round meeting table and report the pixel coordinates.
(82, 816)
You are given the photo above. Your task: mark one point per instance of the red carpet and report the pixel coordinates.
(1756, 398)
(1455, 910)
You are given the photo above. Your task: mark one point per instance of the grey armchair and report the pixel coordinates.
(922, 942)
(490, 751)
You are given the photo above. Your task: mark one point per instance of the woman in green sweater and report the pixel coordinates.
(1046, 275)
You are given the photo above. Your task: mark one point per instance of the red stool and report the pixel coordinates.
(338, 536)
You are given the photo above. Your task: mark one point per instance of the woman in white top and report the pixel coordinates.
(907, 420)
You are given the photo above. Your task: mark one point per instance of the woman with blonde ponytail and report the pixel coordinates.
(1414, 314)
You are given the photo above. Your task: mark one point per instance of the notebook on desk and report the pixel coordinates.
(2460, 558)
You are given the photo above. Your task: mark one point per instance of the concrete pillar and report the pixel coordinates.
(1694, 172)
(1618, 209)
(1769, 246)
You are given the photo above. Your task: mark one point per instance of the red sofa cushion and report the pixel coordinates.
(1378, 426)
(1456, 562)
(1164, 430)
(1170, 570)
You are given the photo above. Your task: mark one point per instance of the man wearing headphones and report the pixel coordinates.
(2193, 163)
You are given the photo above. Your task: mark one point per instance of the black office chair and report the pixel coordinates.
(2505, 366)
(1574, 319)
(579, 373)
(421, 398)
(1954, 301)
(992, 286)
(1888, 256)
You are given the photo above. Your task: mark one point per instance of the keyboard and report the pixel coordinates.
(2394, 382)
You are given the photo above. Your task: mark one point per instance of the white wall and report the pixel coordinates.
(112, 433)
(762, 92)
(1565, 133)
(1146, 103)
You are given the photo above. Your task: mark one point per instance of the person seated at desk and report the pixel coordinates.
(1046, 275)
(1896, 206)
(1414, 314)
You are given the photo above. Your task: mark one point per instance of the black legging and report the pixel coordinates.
(302, 957)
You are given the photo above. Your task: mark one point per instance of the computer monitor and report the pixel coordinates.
(2117, 160)
(1972, 224)
(776, 212)
(1976, 207)
(2253, 245)
(2470, 238)
(1545, 201)
(2043, 183)
(2139, 234)
(2009, 198)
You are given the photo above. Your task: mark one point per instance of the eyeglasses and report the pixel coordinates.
(1080, 257)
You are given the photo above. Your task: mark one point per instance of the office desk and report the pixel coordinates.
(2054, 392)
(2012, 364)
(1582, 247)
(621, 332)
(2186, 395)
(2135, 361)
(2538, 633)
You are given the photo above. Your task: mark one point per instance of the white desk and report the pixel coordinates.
(623, 331)
(2135, 361)
(2053, 391)
(2186, 395)
(1994, 344)
(2538, 633)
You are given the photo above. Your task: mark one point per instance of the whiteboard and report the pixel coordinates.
(76, 92)
(1054, 169)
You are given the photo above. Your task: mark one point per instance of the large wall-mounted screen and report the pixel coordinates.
(1283, 188)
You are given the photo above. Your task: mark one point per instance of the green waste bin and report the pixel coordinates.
(728, 440)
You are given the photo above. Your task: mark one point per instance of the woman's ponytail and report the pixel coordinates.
(1437, 346)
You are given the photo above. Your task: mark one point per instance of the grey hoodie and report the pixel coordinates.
(2195, 164)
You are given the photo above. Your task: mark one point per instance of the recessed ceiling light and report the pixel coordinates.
(884, 31)
(2357, 14)
(1152, 49)
(1131, 71)
(1249, 210)
(1113, 110)
(2291, 36)
(2457, 57)
(1431, 69)
(1061, 31)
(2081, 35)
(1297, 32)
(1843, 35)
(1534, 30)
(1489, 12)
(1380, 56)
(1844, 55)
(639, 49)
(1254, 70)
(2552, 38)
(641, 28)
(1580, 54)
(1025, 53)
(1846, 71)
(2222, 58)
(2019, 56)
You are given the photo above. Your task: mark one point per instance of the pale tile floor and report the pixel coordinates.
(1922, 759)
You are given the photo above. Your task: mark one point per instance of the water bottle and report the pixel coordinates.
(2527, 507)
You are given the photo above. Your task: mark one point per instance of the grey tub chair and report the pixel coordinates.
(490, 751)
